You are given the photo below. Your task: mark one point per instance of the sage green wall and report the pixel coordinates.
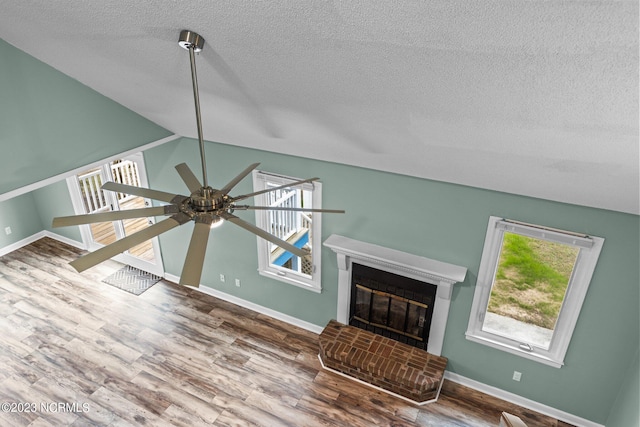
(626, 409)
(19, 213)
(33, 212)
(441, 221)
(51, 123)
(52, 201)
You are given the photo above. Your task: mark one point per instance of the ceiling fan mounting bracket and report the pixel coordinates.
(190, 39)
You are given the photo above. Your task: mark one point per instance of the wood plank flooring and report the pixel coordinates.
(177, 357)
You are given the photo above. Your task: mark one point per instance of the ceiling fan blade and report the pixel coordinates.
(193, 263)
(277, 208)
(292, 184)
(65, 221)
(193, 184)
(267, 236)
(237, 179)
(103, 254)
(143, 192)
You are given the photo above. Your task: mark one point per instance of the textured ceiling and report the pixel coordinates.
(538, 98)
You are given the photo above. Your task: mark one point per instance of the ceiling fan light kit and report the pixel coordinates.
(205, 206)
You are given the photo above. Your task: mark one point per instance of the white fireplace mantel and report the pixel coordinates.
(441, 274)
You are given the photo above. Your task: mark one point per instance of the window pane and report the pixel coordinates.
(528, 288)
(94, 200)
(291, 226)
(292, 223)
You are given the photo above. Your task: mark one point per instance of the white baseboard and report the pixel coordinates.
(37, 236)
(63, 239)
(20, 243)
(520, 401)
(252, 306)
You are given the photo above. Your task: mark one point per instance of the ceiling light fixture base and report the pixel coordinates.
(190, 39)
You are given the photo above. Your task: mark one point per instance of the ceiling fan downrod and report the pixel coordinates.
(206, 207)
(194, 43)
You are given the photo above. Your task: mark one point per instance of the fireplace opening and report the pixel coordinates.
(391, 305)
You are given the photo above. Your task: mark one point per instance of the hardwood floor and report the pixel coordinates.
(174, 356)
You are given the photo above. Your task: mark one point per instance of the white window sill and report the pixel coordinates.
(290, 279)
(531, 355)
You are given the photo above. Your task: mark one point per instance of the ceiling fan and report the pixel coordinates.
(205, 206)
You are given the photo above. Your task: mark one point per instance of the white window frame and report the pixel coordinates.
(589, 251)
(265, 268)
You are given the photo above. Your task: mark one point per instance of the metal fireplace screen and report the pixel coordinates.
(391, 305)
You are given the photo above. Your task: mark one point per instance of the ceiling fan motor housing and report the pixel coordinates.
(205, 200)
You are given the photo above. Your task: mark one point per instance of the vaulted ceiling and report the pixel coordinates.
(536, 98)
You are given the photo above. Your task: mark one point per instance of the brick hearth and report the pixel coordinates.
(382, 362)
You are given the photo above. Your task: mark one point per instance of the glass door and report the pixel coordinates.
(127, 170)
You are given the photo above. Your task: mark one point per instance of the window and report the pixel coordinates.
(531, 284)
(299, 228)
(87, 197)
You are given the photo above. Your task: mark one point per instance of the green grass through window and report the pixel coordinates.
(531, 279)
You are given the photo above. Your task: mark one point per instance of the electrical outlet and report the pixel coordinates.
(222, 279)
(517, 375)
(7, 230)
(238, 282)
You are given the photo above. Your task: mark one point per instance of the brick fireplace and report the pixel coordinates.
(391, 318)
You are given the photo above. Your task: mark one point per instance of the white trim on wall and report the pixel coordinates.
(39, 235)
(63, 239)
(520, 401)
(36, 185)
(252, 306)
